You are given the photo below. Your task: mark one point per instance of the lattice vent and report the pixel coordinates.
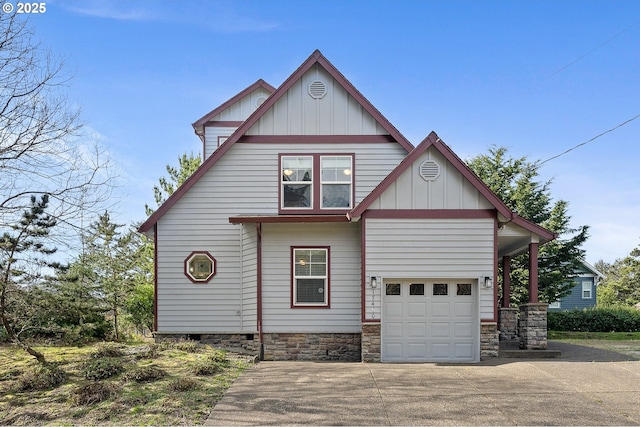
(317, 89)
(429, 170)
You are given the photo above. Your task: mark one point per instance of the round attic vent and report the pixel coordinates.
(317, 89)
(260, 100)
(429, 170)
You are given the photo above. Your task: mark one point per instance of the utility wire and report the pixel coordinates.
(588, 141)
(591, 51)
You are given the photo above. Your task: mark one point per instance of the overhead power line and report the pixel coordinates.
(590, 140)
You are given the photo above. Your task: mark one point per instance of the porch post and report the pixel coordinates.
(533, 272)
(506, 281)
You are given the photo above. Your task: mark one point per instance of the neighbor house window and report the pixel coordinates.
(200, 266)
(555, 304)
(316, 183)
(586, 290)
(310, 287)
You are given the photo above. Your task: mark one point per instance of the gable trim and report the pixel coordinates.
(316, 57)
(207, 117)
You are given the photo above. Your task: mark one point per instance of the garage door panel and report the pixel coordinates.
(393, 309)
(463, 309)
(440, 308)
(440, 350)
(416, 350)
(463, 330)
(463, 351)
(440, 329)
(417, 309)
(417, 329)
(394, 329)
(394, 351)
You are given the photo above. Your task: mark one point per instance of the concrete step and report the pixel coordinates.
(511, 349)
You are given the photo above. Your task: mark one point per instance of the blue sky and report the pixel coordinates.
(538, 77)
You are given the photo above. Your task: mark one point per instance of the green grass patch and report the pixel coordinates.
(152, 385)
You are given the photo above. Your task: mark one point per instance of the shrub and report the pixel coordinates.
(94, 392)
(144, 374)
(212, 364)
(102, 368)
(42, 377)
(188, 346)
(609, 319)
(107, 349)
(149, 351)
(183, 384)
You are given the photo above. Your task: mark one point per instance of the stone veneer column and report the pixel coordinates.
(489, 344)
(533, 326)
(371, 349)
(508, 323)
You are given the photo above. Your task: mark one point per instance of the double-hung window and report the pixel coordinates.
(586, 289)
(316, 183)
(310, 276)
(297, 182)
(335, 181)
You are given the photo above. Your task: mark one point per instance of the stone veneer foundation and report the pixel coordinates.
(508, 323)
(489, 341)
(533, 326)
(244, 342)
(342, 347)
(371, 348)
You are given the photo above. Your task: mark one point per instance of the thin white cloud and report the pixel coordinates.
(219, 16)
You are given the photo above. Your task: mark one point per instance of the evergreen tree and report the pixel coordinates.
(23, 254)
(515, 182)
(112, 264)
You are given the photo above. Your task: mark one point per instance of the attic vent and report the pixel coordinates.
(429, 170)
(317, 89)
(260, 100)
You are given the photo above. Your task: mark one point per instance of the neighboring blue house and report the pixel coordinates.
(583, 294)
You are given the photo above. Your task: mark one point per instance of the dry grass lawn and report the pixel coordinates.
(115, 384)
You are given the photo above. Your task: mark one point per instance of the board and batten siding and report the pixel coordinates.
(450, 190)
(298, 113)
(429, 249)
(243, 182)
(237, 112)
(343, 240)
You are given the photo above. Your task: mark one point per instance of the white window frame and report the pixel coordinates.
(324, 183)
(555, 304)
(296, 260)
(284, 183)
(587, 288)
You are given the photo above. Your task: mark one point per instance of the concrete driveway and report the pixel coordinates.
(584, 387)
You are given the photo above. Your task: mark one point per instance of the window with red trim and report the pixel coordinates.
(316, 183)
(310, 277)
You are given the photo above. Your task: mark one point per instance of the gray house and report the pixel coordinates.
(314, 230)
(583, 293)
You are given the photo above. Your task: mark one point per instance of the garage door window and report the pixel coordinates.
(393, 289)
(416, 289)
(464, 289)
(440, 289)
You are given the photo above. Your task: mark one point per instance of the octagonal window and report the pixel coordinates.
(200, 267)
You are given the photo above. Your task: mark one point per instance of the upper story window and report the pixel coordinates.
(586, 289)
(316, 183)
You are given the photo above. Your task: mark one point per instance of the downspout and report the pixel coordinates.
(259, 289)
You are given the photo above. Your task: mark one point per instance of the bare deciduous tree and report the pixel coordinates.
(44, 151)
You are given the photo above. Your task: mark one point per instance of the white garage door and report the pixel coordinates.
(430, 321)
